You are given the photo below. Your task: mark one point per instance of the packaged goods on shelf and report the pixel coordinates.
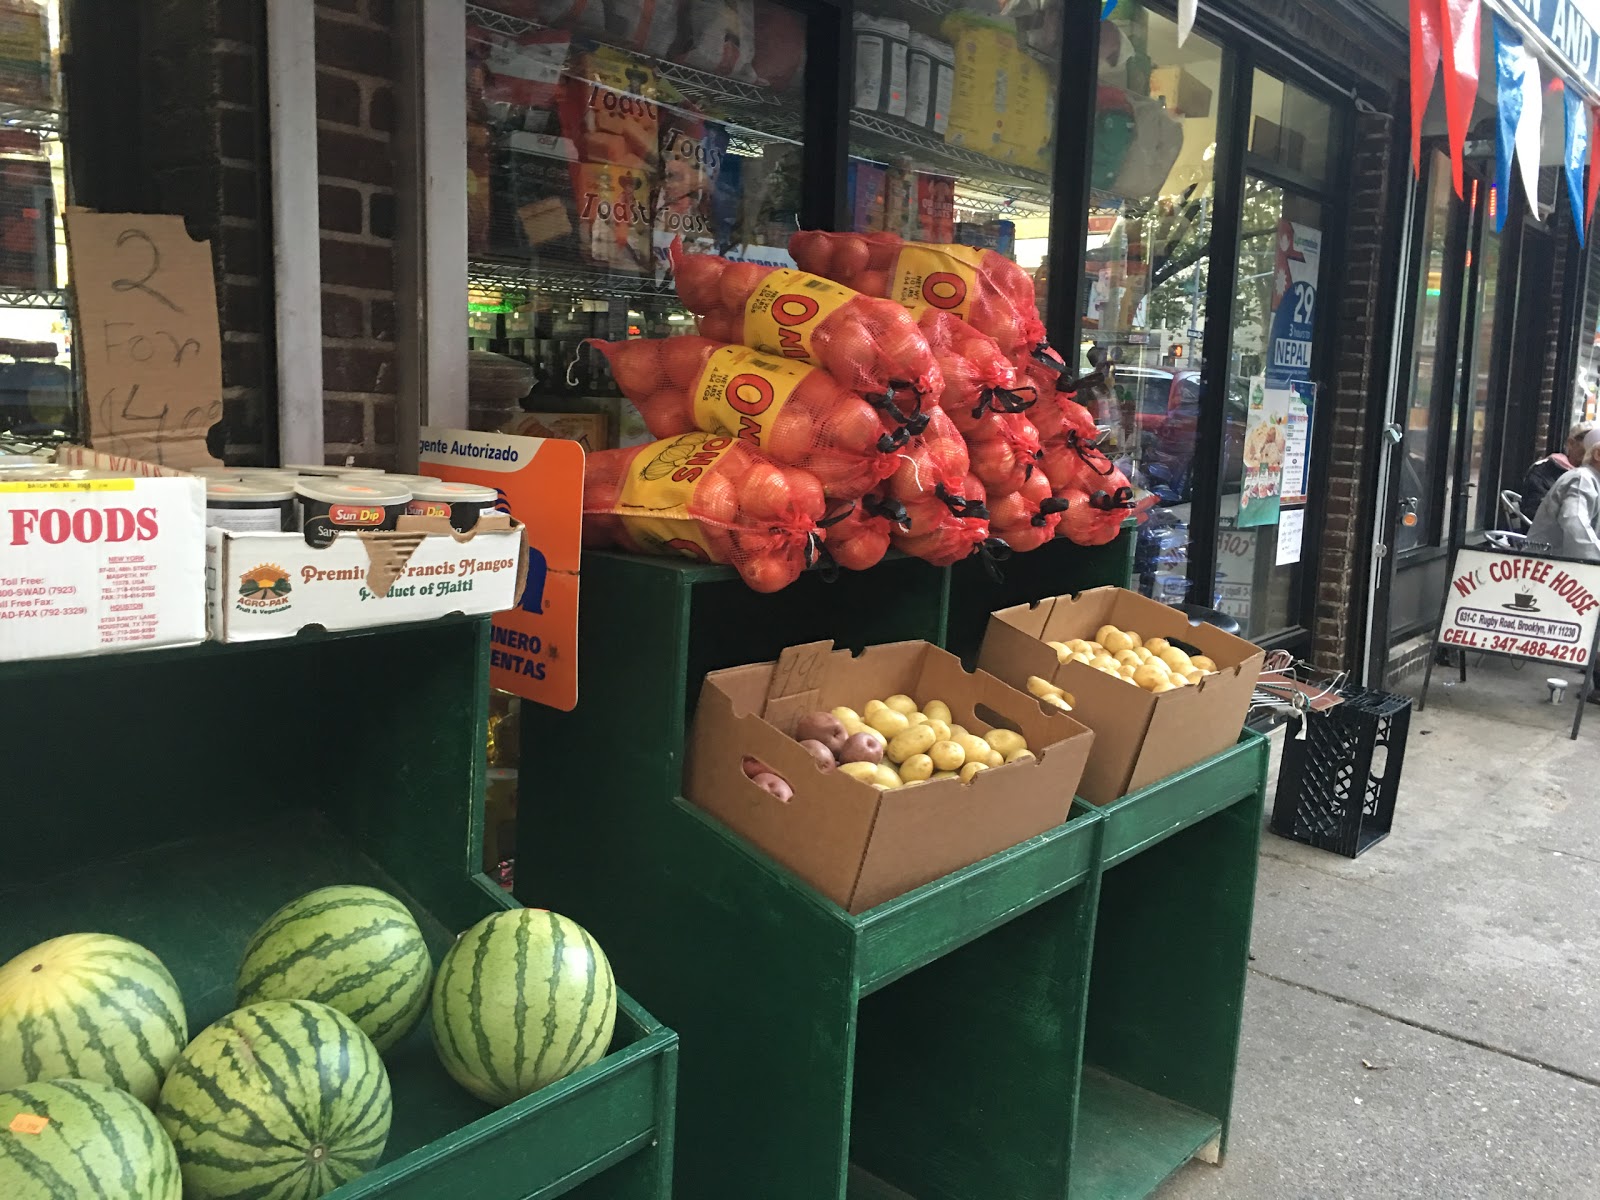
(780, 56)
(693, 151)
(720, 37)
(883, 45)
(858, 844)
(610, 109)
(25, 61)
(1003, 98)
(589, 429)
(900, 200)
(982, 287)
(103, 554)
(936, 208)
(1141, 736)
(27, 224)
(930, 84)
(649, 26)
(798, 415)
(869, 345)
(708, 497)
(868, 185)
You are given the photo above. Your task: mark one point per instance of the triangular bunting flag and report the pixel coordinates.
(1111, 7)
(1424, 68)
(1186, 15)
(1577, 153)
(1461, 22)
(1530, 130)
(1510, 65)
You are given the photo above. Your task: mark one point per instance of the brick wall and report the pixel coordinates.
(355, 110)
(1360, 378)
(1553, 180)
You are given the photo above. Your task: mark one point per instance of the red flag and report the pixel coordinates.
(1459, 57)
(1424, 66)
(1594, 166)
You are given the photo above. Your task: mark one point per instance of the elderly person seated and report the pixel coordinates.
(1542, 476)
(1568, 521)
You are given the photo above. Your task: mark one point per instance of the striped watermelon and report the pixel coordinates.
(90, 1006)
(524, 998)
(352, 948)
(285, 1099)
(74, 1138)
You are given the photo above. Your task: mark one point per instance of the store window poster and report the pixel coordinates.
(1297, 447)
(1265, 439)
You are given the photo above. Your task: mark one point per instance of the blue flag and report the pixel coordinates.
(1510, 69)
(1111, 7)
(1577, 154)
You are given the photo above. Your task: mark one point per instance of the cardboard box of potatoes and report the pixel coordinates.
(1160, 693)
(869, 775)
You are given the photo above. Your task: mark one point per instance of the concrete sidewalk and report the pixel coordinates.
(1424, 1021)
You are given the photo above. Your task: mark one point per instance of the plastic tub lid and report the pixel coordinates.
(243, 491)
(349, 491)
(471, 493)
(217, 472)
(335, 471)
(410, 481)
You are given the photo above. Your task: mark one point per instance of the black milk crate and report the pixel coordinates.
(1337, 785)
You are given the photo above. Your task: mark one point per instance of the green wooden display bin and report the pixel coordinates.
(178, 797)
(1166, 997)
(1056, 568)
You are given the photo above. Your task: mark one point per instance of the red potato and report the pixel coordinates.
(823, 728)
(824, 757)
(754, 766)
(861, 747)
(777, 786)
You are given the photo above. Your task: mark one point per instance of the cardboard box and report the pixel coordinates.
(260, 586)
(1185, 95)
(1139, 737)
(92, 566)
(855, 844)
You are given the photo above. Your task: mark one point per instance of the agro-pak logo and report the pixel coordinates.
(263, 589)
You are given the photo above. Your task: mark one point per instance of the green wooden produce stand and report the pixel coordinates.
(935, 1046)
(178, 797)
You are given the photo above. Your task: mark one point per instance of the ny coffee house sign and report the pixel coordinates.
(1537, 608)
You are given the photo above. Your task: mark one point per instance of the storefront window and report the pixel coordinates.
(1148, 265)
(595, 140)
(36, 389)
(952, 125)
(1289, 128)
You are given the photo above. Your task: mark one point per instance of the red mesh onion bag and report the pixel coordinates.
(869, 345)
(945, 527)
(983, 287)
(860, 538)
(1095, 518)
(710, 497)
(933, 463)
(797, 415)
(1027, 518)
(980, 382)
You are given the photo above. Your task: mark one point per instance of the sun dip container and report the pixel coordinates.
(250, 505)
(328, 506)
(459, 503)
(333, 470)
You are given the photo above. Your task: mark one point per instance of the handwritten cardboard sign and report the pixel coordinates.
(1539, 608)
(534, 646)
(147, 336)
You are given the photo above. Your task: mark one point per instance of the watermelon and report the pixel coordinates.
(90, 1006)
(75, 1138)
(285, 1099)
(524, 998)
(352, 948)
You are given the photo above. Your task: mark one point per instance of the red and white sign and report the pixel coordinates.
(1538, 608)
(89, 566)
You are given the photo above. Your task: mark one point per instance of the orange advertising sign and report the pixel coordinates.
(534, 651)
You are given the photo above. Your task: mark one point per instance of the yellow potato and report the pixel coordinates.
(957, 729)
(1165, 685)
(872, 733)
(1104, 630)
(1126, 674)
(1084, 656)
(1116, 640)
(1041, 687)
(971, 769)
(974, 747)
(886, 777)
(917, 768)
(947, 755)
(917, 718)
(996, 759)
(1157, 644)
(1076, 644)
(1063, 651)
(1060, 702)
(889, 722)
(1142, 653)
(1177, 680)
(1194, 675)
(872, 706)
(1127, 658)
(937, 775)
(1006, 741)
(1104, 662)
(1095, 648)
(940, 728)
(1150, 678)
(1023, 755)
(901, 703)
(1203, 663)
(1134, 638)
(847, 715)
(864, 771)
(937, 710)
(915, 740)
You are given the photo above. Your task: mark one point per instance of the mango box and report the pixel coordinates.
(855, 844)
(1139, 737)
(261, 586)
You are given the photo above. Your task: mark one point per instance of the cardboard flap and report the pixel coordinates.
(387, 555)
(796, 683)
